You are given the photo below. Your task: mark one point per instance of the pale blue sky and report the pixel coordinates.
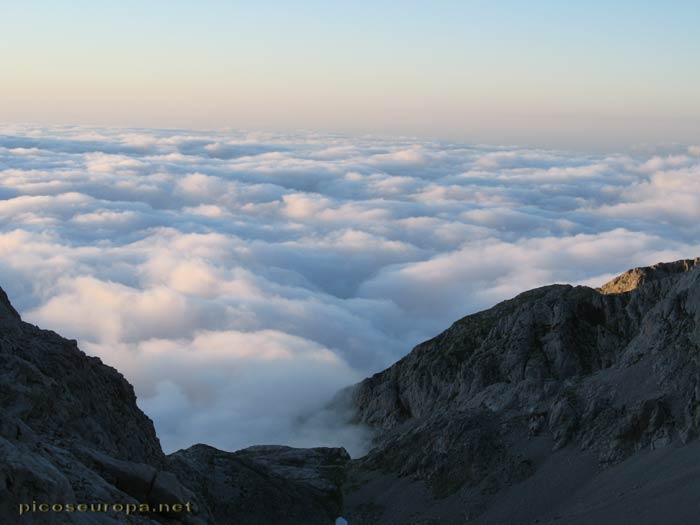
(575, 74)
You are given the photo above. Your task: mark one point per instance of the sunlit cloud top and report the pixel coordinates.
(575, 74)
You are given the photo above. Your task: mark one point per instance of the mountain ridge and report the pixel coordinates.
(602, 374)
(564, 403)
(634, 278)
(71, 433)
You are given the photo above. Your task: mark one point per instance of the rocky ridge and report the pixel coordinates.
(557, 376)
(71, 432)
(565, 404)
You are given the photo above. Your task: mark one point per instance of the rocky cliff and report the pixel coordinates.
(563, 405)
(71, 433)
(544, 408)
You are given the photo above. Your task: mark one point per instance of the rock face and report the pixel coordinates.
(635, 278)
(267, 484)
(565, 404)
(561, 382)
(70, 433)
(57, 406)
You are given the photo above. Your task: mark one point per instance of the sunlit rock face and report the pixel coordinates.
(632, 279)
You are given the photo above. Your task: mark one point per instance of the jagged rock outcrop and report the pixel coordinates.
(71, 433)
(473, 419)
(634, 278)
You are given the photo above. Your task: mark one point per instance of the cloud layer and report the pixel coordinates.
(239, 279)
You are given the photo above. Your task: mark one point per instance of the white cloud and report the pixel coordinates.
(239, 279)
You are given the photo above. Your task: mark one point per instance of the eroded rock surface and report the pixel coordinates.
(557, 374)
(266, 484)
(563, 405)
(71, 432)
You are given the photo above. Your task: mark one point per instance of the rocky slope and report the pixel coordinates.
(265, 484)
(70, 432)
(563, 405)
(520, 413)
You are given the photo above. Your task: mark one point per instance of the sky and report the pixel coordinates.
(240, 279)
(590, 76)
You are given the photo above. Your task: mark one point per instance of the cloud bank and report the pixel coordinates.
(239, 279)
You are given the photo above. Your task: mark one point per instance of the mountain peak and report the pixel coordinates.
(483, 422)
(71, 431)
(6, 308)
(499, 419)
(636, 277)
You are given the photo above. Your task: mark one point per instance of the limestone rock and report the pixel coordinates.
(565, 404)
(501, 401)
(266, 484)
(70, 432)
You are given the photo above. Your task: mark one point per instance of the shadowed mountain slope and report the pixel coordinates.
(544, 407)
(71, 433)
(563, 405)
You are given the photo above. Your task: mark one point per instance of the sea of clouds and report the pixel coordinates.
(239, 279)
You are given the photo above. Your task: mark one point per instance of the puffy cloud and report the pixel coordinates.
(240, 279)
(484, 272)
(217, 380)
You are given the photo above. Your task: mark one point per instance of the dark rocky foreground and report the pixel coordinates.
(70, 432)
(563, 405)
